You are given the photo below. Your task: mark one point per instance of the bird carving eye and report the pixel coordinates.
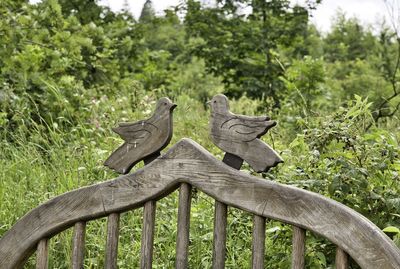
(215, 102)
(165, 104)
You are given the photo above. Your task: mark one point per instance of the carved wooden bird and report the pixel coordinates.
(143, 139)
(239, 135)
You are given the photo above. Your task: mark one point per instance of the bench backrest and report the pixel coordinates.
(185, 165)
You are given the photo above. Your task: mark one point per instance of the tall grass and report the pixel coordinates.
(47, 159)
(46, 162)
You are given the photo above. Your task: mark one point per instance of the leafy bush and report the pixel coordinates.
(334, 156)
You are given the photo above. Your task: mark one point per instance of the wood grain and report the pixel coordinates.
(219, 242)
(182, 239)
(78, 245)
(149, 215)
(299, 248)
(42, 254)
(112, 241)
(258, 243)
(188, 162)
(342, 259)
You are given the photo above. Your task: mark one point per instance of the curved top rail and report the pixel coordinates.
(189, 162)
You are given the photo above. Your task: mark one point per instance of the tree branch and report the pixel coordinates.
(393, 81)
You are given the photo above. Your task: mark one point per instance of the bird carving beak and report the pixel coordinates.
(271, 123)
(173, 106)
(208, 102)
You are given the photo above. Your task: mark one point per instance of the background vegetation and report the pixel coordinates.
(70, 70)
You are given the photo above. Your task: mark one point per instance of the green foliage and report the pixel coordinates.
(70, 70)
(191, 79)
(304, 82)
(148, 12)
(365, 64)
(337, 158)
(54, 66)
(395, 232)
(358, 77)
(348, 40)
(242, 49)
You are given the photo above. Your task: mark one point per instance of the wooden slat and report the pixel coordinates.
(219, 246)
(42, 254)
(78, 245)
(342, 259)
(187, 161)
(299, 247)
(112, 241)
(149, 214)
(182, 239)
(258, 244)
(220, 218)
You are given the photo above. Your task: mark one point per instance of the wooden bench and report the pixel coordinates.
(186, 165)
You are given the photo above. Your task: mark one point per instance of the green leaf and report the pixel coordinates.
(396, 215)
(273, 229)
(321, 258)
(391, 229)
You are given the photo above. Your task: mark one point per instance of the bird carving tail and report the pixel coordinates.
(261, 157)
(120, 160)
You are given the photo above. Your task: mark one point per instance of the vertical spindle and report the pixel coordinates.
(42, 254)
(299, 247)
(112, 241)
(149, 214)
(78, 245)
(182, 240)
(219, 246)
(342, 259)
(258, 243)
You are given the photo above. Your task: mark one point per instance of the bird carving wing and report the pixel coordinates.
(136, 132)
(249, 128)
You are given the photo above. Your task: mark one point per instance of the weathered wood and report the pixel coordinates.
(182, 239)
(239, 135)
(188, 162)
(232, 160)
(342, 259)
(299, 247)
(78, 245)
(112, 241)
(219, 243)
(260, 125)
(220, 218)
(258, 243)
(151, 157)
(149, 215)
(142, 138)
(42, 254)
